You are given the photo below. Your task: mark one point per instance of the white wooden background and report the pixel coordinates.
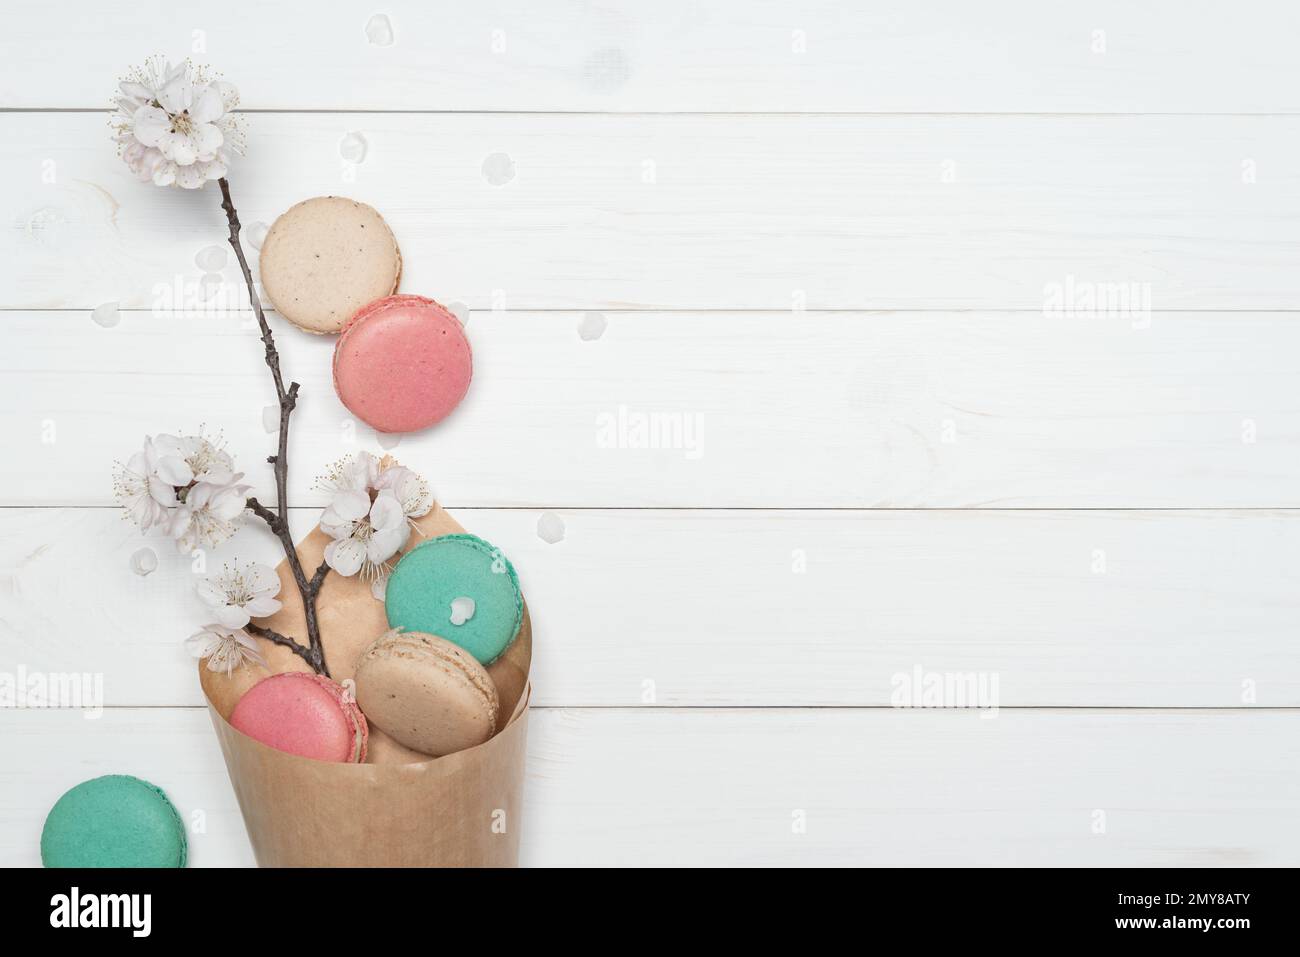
(822, 231)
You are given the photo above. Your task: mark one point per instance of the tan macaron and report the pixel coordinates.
(425, 692)
(325, 258)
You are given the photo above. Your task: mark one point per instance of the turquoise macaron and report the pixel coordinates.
(113, 821)
(452, 568)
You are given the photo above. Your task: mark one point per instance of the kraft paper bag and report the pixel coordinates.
(401, 808)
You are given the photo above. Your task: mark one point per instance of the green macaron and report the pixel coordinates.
(460, 588)
(113, 821)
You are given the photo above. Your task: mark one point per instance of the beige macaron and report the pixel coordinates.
(426, 693)
(325, 258)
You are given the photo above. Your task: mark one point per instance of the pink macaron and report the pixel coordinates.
(402, 364)
(304, 714)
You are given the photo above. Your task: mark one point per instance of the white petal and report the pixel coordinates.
(164, 493)
(215, 169)
(202, 643)
(217, 475)
(137, 91)
(207, 139)
(182, 150)
(229, 94)
(262, 580)
(383, 545)
(142, 512)
(229, 503)
(150, 125)
(232, 616)
(208, 105)
(262, 607)
(164, 174)
(345, 557)
(341, 530)
(379, 587)
(211, 592)
(350, 506)
(173, 471)
(387, 512)
(177, 94)
(198, 497)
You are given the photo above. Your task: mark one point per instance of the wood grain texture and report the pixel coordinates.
(793, 410)
(898, 55)
(759, 608)
(701, 212)
(875, 787)
(825, 239)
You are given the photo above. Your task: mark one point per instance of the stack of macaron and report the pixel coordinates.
(401, 363)
(331, 265)
(453, 606)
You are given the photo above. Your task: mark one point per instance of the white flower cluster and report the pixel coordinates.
(235, 596)
(185, 485)
(373, 507)
(175, 126)
(370, 516)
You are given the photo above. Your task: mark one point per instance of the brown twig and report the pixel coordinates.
(302, 651)
(278, 520)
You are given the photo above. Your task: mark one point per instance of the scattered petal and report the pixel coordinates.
(498, 169)
(256, 234)
(550, 528)
(144, 561)
(592, 326)
(106, 315)
(211, 258)
(353, 148)
(379, 30)
(462, 610)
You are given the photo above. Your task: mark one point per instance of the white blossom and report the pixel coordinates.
(185, 485)
(209, 513)
(237, 595)
(225, 648)
(370, 515)
(412, 492)
(174, 125)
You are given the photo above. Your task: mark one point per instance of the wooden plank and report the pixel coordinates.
(704, 212)
(898, 55)
(697, 787)
(716, 410)
(700, 608)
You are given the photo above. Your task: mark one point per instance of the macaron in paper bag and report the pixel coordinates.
(461, 588)
(426, 693)
(402, 364)
(304, 714)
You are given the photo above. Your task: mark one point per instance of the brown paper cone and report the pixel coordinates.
(400, 808)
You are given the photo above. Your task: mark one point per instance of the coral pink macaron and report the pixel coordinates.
(304, 714)
(402, 364)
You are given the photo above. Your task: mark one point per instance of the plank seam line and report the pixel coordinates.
(1280, 510)
(956, 114)
(1172, 709)
(709, 310)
